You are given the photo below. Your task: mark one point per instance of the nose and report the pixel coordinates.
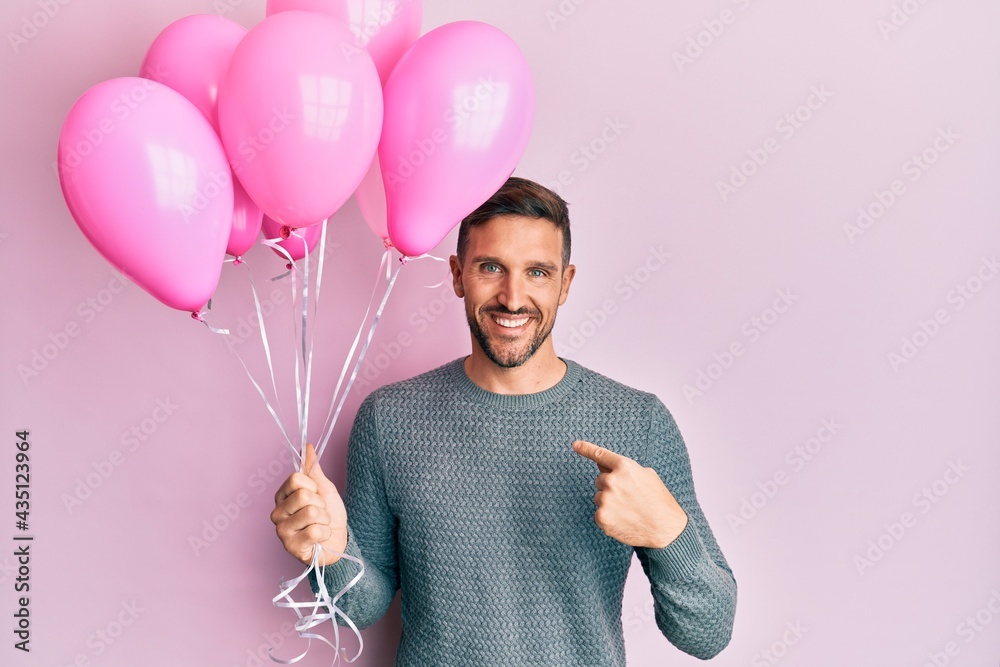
(512, 293)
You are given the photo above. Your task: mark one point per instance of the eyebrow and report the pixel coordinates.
(486, 259)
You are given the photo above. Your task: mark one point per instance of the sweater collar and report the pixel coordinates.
(565, 386)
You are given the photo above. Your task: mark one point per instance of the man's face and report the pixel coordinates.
(513, 283)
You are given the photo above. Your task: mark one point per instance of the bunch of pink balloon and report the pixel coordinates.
(459, 106)
(167, 173)
(228, 132)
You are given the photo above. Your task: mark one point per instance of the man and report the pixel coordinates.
(472, 486)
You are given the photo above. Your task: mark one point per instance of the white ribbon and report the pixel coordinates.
(334, 412)
(200, 316)
(324, 606)
(315, 617)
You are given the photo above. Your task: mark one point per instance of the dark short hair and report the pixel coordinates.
(519, 196)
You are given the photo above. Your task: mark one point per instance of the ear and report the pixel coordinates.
(456, 276)
(567, 278)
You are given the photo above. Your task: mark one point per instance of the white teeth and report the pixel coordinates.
(510, 323)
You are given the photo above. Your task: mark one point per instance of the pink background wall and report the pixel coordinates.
(671, 275)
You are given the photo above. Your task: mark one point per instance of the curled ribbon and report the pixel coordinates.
(316, 617)
(305, 303)
(427, 255)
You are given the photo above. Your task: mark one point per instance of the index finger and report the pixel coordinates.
(295, 481)
(605, 459)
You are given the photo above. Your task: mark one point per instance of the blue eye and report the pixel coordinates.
(537, 273)
(490, 268)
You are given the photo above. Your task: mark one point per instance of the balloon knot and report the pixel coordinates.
(238, 260)
(387, 243)
(285, 232)
(403, 260)
(289, 266)
(196, 315)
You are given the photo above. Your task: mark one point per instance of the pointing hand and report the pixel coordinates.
(633, 504)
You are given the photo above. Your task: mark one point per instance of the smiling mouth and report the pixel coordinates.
(510, 322)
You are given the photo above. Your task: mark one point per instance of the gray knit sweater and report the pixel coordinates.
(476, 505)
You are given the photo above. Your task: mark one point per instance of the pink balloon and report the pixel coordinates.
(385, 28)
(370, 196)
(300, 116)
(191, 56)
(147, 181)
(292, 242)
(459, 107)
(247, 219)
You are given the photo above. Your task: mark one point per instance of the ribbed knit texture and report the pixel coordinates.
(476, 505)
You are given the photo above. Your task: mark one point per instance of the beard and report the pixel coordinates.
(506, 355)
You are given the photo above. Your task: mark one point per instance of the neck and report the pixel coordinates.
(542, 371)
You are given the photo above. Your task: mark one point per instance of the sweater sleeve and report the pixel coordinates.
(694, 591)
(371, 529)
